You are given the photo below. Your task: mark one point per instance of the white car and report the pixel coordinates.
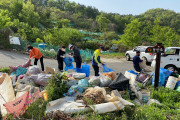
(170, 59)
(147, 56)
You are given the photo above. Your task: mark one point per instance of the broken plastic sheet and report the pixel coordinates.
(66, 105)
(6, 93)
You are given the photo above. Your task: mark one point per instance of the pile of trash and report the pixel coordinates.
(21, 88)
(85, 93)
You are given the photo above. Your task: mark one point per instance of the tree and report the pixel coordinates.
(131, 36)
(64, 23)
(102, 22)
(16, 8)
(5, 20)
(28, 14)
(163, 34)
(63, 36)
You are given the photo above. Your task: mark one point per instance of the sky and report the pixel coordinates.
(134, 7)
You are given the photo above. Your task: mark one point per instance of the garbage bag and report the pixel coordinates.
(83, 83)
(111, 75)
(69, 63)
(7, 92)
(73, 90)
(71, 83)
(144, 66)
(79, 75)
(42, 79)
(106, 69)
(25, 65)
(163, 76)
(33, 70)
(19, 71)
(120, 83)
(94, 81)
(86, 69)
(105, 81)
(95, 95)
(26, 80)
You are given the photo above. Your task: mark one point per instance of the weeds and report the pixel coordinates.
(5, 70)
(36, 110)
(57, 86)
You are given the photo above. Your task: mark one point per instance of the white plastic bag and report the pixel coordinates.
(171, 83)
(33, 70)
(79, 75)
(105, 81)
(42, 79)
(94, 81)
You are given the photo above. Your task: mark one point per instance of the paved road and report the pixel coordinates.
(8, 58)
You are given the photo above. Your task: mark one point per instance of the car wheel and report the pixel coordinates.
(171, 68)
(128, 57)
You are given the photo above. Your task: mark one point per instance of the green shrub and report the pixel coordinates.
(149, 113)
(5, 70)
(167, 97)
(57, 86)
(36, 110)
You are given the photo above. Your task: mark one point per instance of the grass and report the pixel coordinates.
(113, 55)
(5, 70)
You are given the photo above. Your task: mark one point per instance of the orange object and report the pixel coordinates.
(17, 107)
(45, 94)
(35, 53)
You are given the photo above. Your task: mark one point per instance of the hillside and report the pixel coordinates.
(60, 22)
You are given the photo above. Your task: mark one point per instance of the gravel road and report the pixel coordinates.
(10, 58)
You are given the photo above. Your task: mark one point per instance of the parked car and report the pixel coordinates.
(147, 56)
(170, 59)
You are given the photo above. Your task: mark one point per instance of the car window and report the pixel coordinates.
(170, 51)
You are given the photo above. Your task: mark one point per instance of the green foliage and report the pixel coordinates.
(168, 97)
(131, 36)
(113, 55)
(149, 112)
(57, 86)
(4, 19)
(5, 70)
(29, 15)
(38, 40)
(162, 34)
(63, 36)
(102, 22)
(36, 110)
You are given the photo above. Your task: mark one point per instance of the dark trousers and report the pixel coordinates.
(137, 68)
(41, 61)
(96, 70)
(78, 64)
(60, 65)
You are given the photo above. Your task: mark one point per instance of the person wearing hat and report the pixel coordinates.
(97, 60)
(76, 55)
(60, 57)
(136, 61)
(36, 55)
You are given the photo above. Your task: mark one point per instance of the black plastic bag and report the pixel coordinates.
(120, 83)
